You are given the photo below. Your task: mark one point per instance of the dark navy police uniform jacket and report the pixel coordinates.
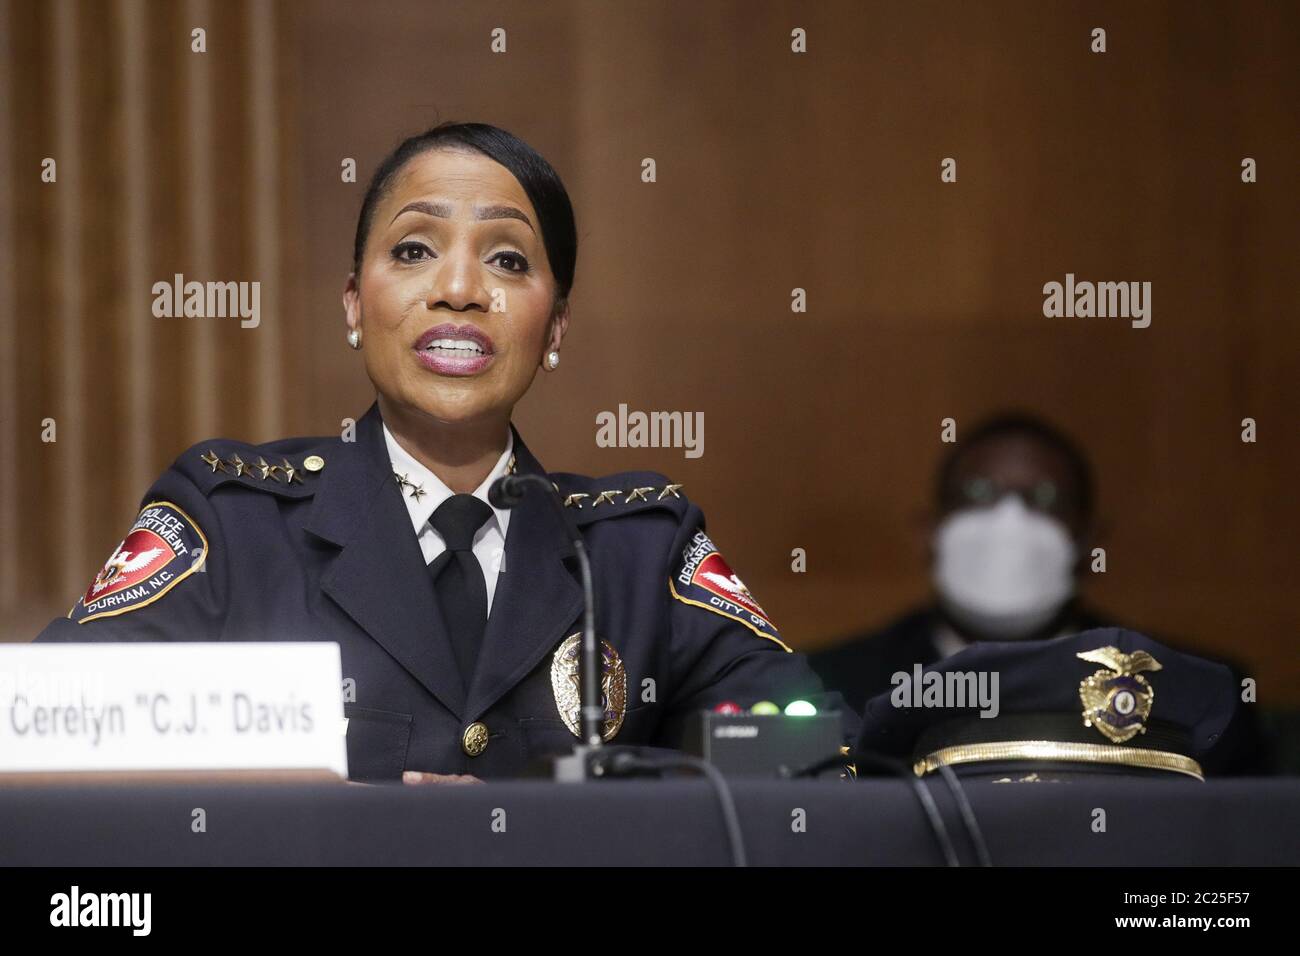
(308, 539)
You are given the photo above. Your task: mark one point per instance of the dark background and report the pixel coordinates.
(775, 171)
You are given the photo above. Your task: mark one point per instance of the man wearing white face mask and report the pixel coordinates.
(1014, 509)
(1004, 571)
(1008, 544)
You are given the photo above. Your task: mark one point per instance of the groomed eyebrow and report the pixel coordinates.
(443, 211)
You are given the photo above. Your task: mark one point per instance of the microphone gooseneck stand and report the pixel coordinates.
(590, 758)
(507, 492)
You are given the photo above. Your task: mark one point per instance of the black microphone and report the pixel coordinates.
(507, 492)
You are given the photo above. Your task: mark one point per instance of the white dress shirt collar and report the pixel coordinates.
(432, 490)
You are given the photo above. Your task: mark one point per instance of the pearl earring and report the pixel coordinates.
(354, 338)
(553, 360)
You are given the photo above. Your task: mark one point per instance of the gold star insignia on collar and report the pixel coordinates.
(638, 494)
(261, 468)
(510, 468)
(211, 459)
(416, 491)
(606, 496)
(575, 501)
(237, 463)
(669, 490)
(290, 473)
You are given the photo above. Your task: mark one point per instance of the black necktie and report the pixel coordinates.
(458, 577)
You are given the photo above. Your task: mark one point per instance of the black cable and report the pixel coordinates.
(813, 769)
(923, 795)
(969, 821)
(973, 831)
(622, 762)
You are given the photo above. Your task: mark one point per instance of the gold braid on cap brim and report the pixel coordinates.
(1054, 750)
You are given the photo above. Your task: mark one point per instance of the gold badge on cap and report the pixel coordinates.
(1117, 701)
(613, 686)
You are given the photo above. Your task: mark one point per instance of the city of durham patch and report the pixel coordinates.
(163, 547)
(702, 577)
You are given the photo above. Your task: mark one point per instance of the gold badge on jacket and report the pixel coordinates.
(1117, 701)
(613, 686)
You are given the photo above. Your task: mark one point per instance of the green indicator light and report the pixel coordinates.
(800, 708)
(765, 707)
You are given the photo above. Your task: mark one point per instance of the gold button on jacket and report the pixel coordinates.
(475, 740)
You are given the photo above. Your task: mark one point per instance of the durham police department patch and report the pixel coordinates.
(163, 547)
(705, 579)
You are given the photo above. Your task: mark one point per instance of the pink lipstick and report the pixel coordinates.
(454, 349)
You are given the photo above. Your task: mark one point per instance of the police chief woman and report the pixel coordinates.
(458, 622)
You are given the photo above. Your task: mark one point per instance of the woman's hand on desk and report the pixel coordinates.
(419, 778)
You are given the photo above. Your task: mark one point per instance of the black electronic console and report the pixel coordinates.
(764, 745)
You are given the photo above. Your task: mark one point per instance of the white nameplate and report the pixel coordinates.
(134, 706)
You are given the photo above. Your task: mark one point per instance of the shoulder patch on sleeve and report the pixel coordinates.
(163, 547)
(702, 577)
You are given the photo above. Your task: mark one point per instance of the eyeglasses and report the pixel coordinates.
(1046, 496)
